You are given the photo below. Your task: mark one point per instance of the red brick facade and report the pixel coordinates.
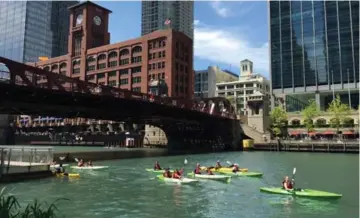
(164, 54)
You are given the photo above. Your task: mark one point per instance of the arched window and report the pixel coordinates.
(124, 52)
(136, 49)
(54, 67)
(113, 54)
(90, 59)
(101, 57)
(47, 68)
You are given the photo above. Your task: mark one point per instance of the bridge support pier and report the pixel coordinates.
(7, 132)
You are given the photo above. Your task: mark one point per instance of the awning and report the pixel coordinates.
(295, 133)
(312, 133)
(348, 133)
(328, 133)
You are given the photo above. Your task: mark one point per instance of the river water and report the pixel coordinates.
(127, 190)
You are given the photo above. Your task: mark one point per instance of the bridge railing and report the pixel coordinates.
(25, 75)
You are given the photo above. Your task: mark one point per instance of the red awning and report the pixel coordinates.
(312, 133)
(295, 133)
(348, 133)
(328, 133)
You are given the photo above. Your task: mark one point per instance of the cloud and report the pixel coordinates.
(242, 8)
(229, 46)
(196, 22)
(220, 9)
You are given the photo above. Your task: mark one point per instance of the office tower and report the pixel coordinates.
(314, 52)
(154, 14)
(30, 29)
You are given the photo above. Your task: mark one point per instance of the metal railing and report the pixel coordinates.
(24, 156)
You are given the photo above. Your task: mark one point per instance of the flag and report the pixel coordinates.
(167, 21)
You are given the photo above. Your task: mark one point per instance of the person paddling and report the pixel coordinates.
(197, 169)
(176, 174)
(167, 173)
(210, 172)
(235, 168)
(287, 184)
(81, 163)
(157, 166)
(89, 163)
(60, 170)
(217, 165)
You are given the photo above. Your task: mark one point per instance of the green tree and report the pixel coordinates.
(339, 111)
(309, 113)
(278, 117)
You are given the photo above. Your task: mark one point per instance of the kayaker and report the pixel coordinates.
(81, 163)
(197, 169)
(89, 163)
(176, 174)
(157, 166)
(287, 184)
(217, 165)
(60, 170)
(236, 168)
(167, 173)
(210, 172)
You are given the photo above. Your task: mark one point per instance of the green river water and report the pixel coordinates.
(127, 190)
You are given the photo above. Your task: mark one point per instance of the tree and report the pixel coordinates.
(309, 113)
(339, 111)
(278, 117)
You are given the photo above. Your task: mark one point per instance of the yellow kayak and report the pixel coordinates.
(224, 169)
(70, 175)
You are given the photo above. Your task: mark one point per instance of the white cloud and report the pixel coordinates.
(220, 9)
(196, 22)
(229, 46)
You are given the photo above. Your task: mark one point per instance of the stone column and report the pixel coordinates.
(318, 101)
(7, 133)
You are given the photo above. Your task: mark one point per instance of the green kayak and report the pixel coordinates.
(157, 171)
(302, 193)
(245, 174)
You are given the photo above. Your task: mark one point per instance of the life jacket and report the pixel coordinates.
(289, 184)
(176, 175)
(197, 170)
(235, 169)
(210, 173)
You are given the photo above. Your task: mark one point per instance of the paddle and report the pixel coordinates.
(62, 158)
(228, 162)
(293, 178)
(185, 162)
(77, 160)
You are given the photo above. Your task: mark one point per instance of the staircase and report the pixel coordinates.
(254, 134)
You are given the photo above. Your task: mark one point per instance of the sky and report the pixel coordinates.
(226, 32)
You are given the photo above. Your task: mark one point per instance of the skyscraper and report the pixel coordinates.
(30, 29)
(155, 13)
(314, 51)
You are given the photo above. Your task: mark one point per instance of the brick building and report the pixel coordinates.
(162, 55)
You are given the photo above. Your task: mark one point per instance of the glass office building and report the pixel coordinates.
(315, 50)
(155, 13)
(30, 29)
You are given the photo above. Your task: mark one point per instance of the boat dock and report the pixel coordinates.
(22, 163)
(309, 146)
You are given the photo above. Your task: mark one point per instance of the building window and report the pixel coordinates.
(90, 77)
(91, 68)
(76, 71)
(136, 70)
(124, 71)
(136, 89)
(101, 57)
(77, 44)
(101, 66)
(100, 75)
(124, 61)
(136, 79)
(90, 59)
(112, 83)
(112, 63)
(113, 54)
(136, 49)
(124, 81)
(160, 54)
(136, 59)
(162, 64)
(124, 52)
(102, 83)
(163, 54)
(162, 75)
(159, 65)
(149, 66)
(112, 74)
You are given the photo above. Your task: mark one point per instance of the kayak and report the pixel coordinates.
(245, 174)
(58, 165)
(183, 180)
(213, 177)
(157, 171)
(310, 193)
(70, 175)
(90, 168)
(225, 169)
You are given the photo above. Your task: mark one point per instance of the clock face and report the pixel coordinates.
(79, 19)
(97, 20)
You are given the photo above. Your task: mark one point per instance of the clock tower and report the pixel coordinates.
(88, 28)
